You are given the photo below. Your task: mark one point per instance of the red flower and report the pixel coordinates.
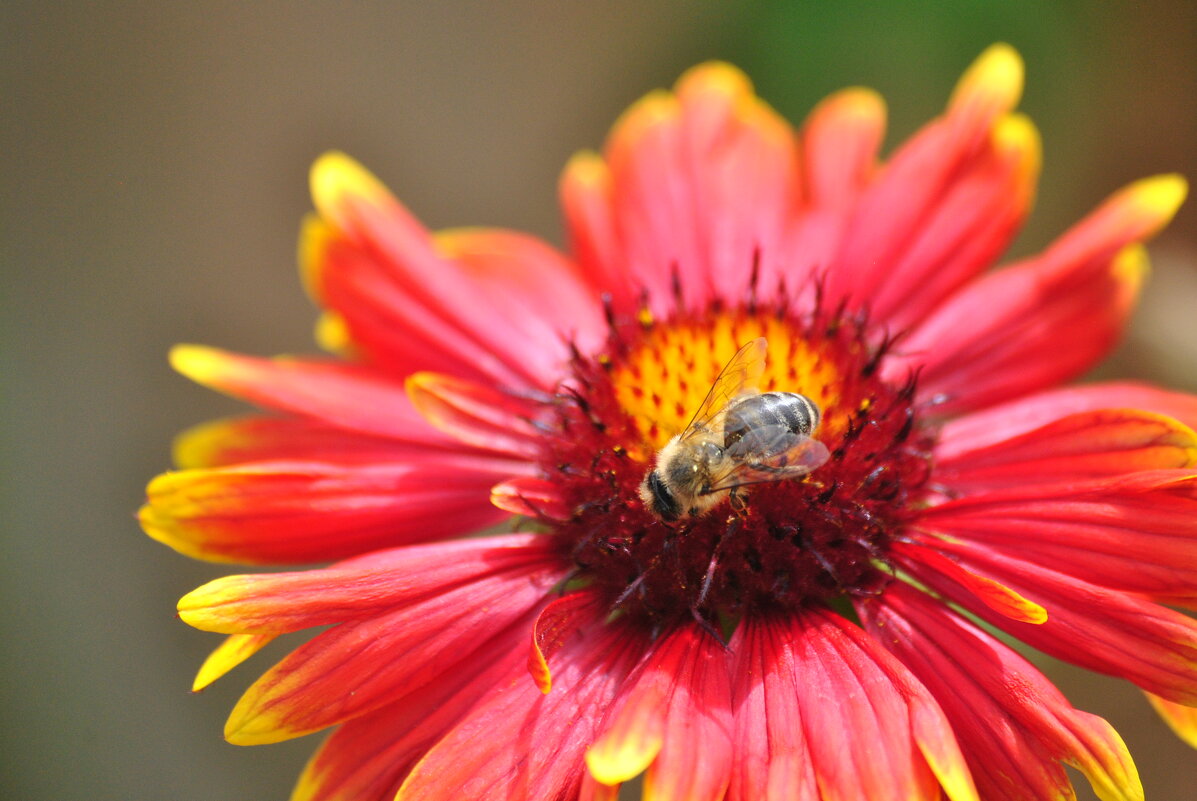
(810, 636)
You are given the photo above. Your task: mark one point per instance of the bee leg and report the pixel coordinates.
(709, 577)
(631, 588)
(637, 583)
(706, 626)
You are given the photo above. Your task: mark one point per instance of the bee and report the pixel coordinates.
(738, 437)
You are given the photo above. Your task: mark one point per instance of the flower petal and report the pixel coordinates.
(255, 438)
(873, 731)
(404, 304)
(357, 667)
(1181, 718)
(1105, 442)
(1107, 631)
(840, 140)
(674, 716)
(340, 395)
(1021, 329)
(699, 181)
(535, 292)
(993, 594)
(930, 186)
(1013, 725)
(586, 200)
(771, 760)
(519, 744)
(976, 218)
(235, 649)
(374, 317)
(981, 429)
(476, 414)
(359, 588)
(1044, 320)
(1137, 533)
(296, 512)
(531, 497)
(368, 757)
(554, 625)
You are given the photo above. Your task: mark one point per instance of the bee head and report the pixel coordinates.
(658, 499)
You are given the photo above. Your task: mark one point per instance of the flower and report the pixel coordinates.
(813, 636)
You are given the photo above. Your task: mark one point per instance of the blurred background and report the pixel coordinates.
(155, 163)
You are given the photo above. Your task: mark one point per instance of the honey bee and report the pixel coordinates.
(738, 437)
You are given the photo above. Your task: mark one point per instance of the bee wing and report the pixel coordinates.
(742, 373)
(775, 454)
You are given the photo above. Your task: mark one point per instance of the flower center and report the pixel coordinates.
(781, 540)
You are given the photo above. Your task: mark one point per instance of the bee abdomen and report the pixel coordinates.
(796, 413)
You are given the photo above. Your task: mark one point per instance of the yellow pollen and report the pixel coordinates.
(666, 376)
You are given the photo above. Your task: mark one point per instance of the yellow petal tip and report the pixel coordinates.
(232, 652)
(332, 335)
(314, 238)
(715, 76)
(1017, 133)
(335, 178)
(197, 362)
(860, 102)
(586, 171)
(620, 764)
(1160, 196)
(996, 74)
(657, 108)
(1180, 718)
(252, 722)
(1132, 265)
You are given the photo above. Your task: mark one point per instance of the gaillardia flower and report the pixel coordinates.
(823, 633)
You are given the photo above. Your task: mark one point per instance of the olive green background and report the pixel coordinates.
(155, 160)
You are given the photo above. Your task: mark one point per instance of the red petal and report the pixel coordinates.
(518, 744)
(981, 429)
(555, 624)
(360, 588)
(699, 181)
(1103, 630)
(221, 443)
(873, 731)
(1137, 533)
(404, 304)
(375, 317)
(477, 415)
(535, 293)
(840, 140)
(675, 716)
(531, 497)
(298, 512)
(1089, 445)
(995, 595)
(771, 760)
(344, 396)
(1044, 320)
(357, 667)
(586, 201)
(976, 218)
(1013, 725)
(366, 759)
(1021, 329)
(917, 191)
